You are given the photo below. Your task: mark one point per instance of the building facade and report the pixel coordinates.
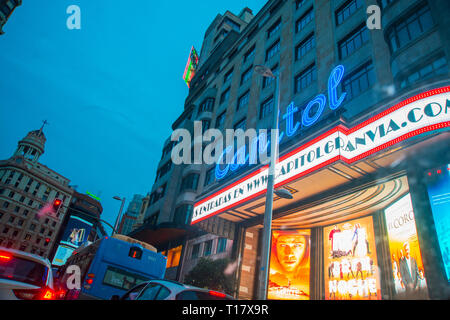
(131, 216)
(27, 191)
(6, 9)
(363, 150)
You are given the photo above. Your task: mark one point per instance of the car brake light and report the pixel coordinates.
(217, 294)
(4, 256)
(35, 294)
(48, 295)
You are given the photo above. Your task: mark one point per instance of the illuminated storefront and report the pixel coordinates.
(370, 210)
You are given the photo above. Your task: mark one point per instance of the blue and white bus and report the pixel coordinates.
(111, 266)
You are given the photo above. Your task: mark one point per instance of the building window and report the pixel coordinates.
(437, 67)
(305, 46)
(209, 177)
(232, 24)
(183, 214)
(249, 54)
(32, 227)
(11, 219)
(190, 182)
(220, 120)
(16, 209)
(5, 230)
(221, 245)
(240, 125)
(206, 124)
(28, 237)
(5, 205)
(11, 194)
(15, 233)
(167, 149)
(243, 100)
(207, 249)
(266, 108)
(25, 212)
(359, 81)
(385, 3)
(164, 169)
(353, 41)
(274, 28)
(305, 78)
(195, 251)
(299, 3)
(20, 223)
(247, 75)
(266, 81)
(224, 96)
(410, 28)
(207, 105)
(228, 75)
(273, 50)
(345, 11)
(304, 20)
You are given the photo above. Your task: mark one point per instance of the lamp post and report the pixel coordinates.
(263, 275)
(116, 225)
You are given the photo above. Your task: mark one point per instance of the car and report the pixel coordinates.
(25, 276)
(170, 290)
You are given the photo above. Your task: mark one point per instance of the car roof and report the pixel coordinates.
(181, 286)
(28, 256)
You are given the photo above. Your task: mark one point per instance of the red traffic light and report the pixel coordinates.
(56, 204)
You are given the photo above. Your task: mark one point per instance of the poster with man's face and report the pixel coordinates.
(407, 268)
(289, 265)
(350, 261)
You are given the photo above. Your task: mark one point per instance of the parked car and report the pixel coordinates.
(25, 276)
(170, 290)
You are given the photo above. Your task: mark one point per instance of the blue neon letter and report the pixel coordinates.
(333, 82)
(306, 119)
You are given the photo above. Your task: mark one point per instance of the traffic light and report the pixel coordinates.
(57, 204)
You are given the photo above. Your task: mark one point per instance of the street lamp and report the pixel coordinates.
(263, 275)
(116, 225)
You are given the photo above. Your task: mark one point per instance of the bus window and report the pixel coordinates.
(122, 279)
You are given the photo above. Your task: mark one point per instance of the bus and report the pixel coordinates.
(111, 266)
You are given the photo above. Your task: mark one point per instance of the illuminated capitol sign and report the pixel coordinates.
(423, 113)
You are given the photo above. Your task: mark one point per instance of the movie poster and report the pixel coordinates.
(438, 186)
(62, 254)
(76, 232)
(289, 265)
(350, 261)
(407, 267)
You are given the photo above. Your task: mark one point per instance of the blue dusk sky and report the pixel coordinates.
(109, 91)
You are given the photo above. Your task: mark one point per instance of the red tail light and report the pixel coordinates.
(5, 257)
(217, 294)
(35, 294)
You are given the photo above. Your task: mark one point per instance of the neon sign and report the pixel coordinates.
(92, 196)
(423, 113)
(191, 67)
(307, 120)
